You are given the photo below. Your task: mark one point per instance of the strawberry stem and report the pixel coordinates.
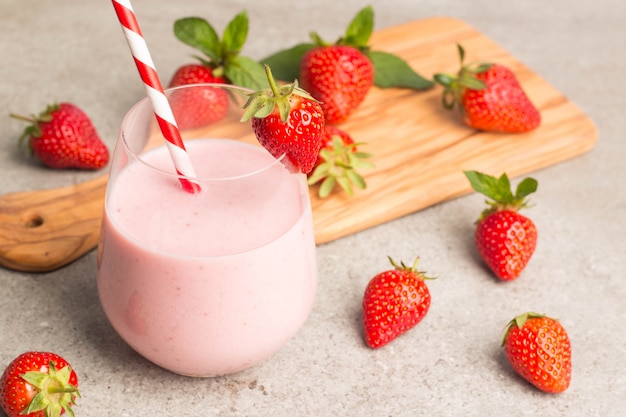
(272, 81)
(403, 267)
(22, 118)
(261, 104)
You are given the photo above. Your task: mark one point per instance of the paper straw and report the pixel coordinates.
(154, 90)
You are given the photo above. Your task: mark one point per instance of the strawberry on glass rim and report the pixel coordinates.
(287, 121)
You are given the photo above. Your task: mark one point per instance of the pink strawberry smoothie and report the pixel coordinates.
(211, 283)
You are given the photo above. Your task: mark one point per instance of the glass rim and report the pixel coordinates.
(145, 105)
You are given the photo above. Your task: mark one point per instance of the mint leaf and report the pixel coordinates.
(525, 188)
(503, 192)
(199, 34)
(497, 189)
(285, 64)
(246, 72)
(236, 33)
(391, 71)
(360, 28)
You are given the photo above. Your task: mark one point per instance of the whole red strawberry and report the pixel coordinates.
(38, 384)
(338, 162)
(287, 121)
(489, 97)
(539, 350)
(505, 239)
(340, 76)
(209, 104)
(395, 301)
(201, 105)
(195, 74)
(62, 136)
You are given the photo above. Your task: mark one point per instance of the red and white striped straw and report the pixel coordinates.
(154, 90)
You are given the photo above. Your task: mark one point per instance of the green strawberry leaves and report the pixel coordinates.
(199, 34)
(340, 165)
(33, 129)
(499, 191)
(261, 103)
(55, 394)
(222, 55)
(454, 84)
(236, 33)
(389, 70)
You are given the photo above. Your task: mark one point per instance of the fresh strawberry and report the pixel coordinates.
(287, 121)
(539, 350)
(38, 384)
(489, 97)
(505, 239)
(340, 74)
(222, 60)
(195, 74)
(198, 106)
(395, 301)
(62, 136)
(338, 162)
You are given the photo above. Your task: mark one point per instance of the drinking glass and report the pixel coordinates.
(206, 283)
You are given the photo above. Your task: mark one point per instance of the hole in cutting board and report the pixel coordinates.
(33, 220)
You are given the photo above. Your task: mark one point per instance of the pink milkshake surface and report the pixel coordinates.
(211, 283)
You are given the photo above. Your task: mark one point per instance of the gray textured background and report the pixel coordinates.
(451, 364)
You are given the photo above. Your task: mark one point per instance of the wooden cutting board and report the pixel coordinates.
(419, 151)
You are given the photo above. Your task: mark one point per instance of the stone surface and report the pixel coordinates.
(451, 364)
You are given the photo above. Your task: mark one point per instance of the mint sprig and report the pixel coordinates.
(498, 191)
(222, 55)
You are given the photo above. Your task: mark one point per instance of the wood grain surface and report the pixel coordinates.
(419, 151)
